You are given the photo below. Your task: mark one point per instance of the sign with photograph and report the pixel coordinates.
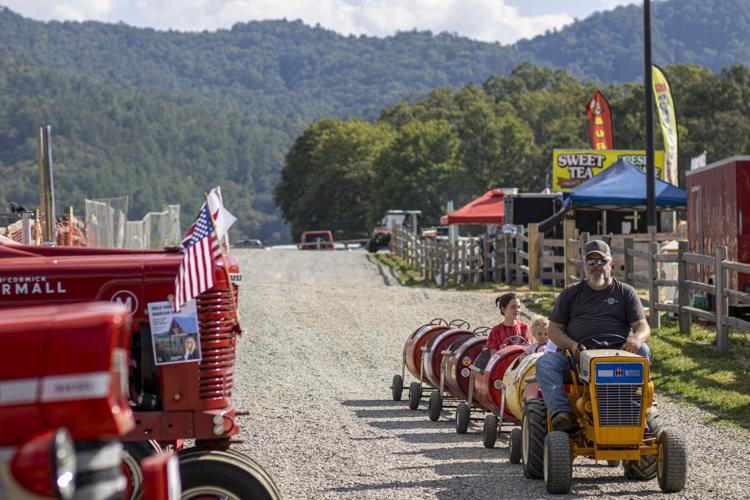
(174, 335)
(571, 167)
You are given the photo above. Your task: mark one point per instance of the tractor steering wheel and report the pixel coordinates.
(603, 341)
(514, 340)
(481, 331)
(459, 324)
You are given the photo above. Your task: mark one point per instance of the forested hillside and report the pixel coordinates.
(110, 141)
(162, 116)
(456, 144)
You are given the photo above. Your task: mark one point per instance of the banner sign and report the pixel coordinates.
(663, 98)
(571, 167)
(600, 122)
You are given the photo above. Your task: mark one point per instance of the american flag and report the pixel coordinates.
(201, 249)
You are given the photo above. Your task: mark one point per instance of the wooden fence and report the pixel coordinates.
(638, 260)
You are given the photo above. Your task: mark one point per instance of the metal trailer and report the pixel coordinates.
(718, 214)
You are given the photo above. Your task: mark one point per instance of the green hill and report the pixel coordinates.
(164, 115)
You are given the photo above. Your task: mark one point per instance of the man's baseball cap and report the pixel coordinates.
(596, 246)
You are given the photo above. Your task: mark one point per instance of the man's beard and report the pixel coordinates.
(598, 279)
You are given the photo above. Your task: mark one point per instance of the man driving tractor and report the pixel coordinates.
(598, 305)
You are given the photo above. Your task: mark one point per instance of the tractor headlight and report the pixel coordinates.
(64, 464)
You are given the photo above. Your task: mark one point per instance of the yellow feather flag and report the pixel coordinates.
(663, 98)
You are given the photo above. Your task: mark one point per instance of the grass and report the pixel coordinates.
(686, 367)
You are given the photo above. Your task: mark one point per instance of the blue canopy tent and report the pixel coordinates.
(623, 187)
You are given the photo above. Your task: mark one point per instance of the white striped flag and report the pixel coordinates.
(200, 251)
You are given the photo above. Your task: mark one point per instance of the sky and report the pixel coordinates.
(504, 21)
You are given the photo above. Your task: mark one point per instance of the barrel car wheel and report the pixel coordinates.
(397, 387)
(515, 446)
(463, 413)
(436, 406)
(415, 395)
(489, 430)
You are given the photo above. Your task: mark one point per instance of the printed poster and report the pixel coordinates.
(174, 335)
(571, 167)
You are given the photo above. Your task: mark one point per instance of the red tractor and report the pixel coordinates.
(170, 402)
(64, 406)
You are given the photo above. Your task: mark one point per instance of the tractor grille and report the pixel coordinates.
(619, 405)
(218, 327)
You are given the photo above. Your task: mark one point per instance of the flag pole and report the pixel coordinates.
(223, 258)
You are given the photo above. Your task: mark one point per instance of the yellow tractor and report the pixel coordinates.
(612, 396)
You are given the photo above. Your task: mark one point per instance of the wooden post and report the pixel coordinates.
(69, 235)
(654, 318)
(506, 254)
(486, 258)
(628, 245)
(683, 297)
(569, 229)
(534, 257)
(722, 304)
(519, 259)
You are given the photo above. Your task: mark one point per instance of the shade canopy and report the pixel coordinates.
(487, 209)
(623, 186)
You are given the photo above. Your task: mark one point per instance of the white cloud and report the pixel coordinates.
(487, 20)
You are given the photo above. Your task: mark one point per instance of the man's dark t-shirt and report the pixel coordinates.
(584, 311)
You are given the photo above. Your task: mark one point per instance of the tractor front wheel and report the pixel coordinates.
(558, 463)
(415, 395)
(463, 413)
(671, 462)
(645, 468)
(515, 446)
(533, 432)
(489, 430)
(397, 387)
(225, 475)
(436, 406)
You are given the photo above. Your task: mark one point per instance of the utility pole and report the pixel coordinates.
(649, 92)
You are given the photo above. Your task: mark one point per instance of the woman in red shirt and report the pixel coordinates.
(510, 308)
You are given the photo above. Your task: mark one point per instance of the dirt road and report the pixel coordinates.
(325, 336)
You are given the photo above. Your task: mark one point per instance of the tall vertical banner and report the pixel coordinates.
(600, 122)
(663, 98)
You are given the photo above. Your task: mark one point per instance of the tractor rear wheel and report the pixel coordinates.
(533, 432)
(463, 413)
(489, 430)
(558, 463)
(515, 446)
(645, 468)
(671, 462)
(436, 406)
(218, 474)
(415, 395)
(397, 387)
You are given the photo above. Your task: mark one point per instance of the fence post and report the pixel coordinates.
(654, 318)
(519, 259)
(683, 296)
(628, 245)
(569, 229)
(506, 254)
(722, 304)
(486, 258)
(534, 257)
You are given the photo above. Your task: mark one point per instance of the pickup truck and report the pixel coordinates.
(316, 240)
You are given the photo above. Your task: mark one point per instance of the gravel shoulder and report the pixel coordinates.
(325, 336)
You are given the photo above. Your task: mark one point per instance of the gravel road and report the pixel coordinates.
(325, 336)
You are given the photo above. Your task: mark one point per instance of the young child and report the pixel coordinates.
(539, 332)
(510, 308)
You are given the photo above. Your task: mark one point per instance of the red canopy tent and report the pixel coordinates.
(487, 209)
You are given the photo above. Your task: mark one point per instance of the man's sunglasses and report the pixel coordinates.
(596, 262)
